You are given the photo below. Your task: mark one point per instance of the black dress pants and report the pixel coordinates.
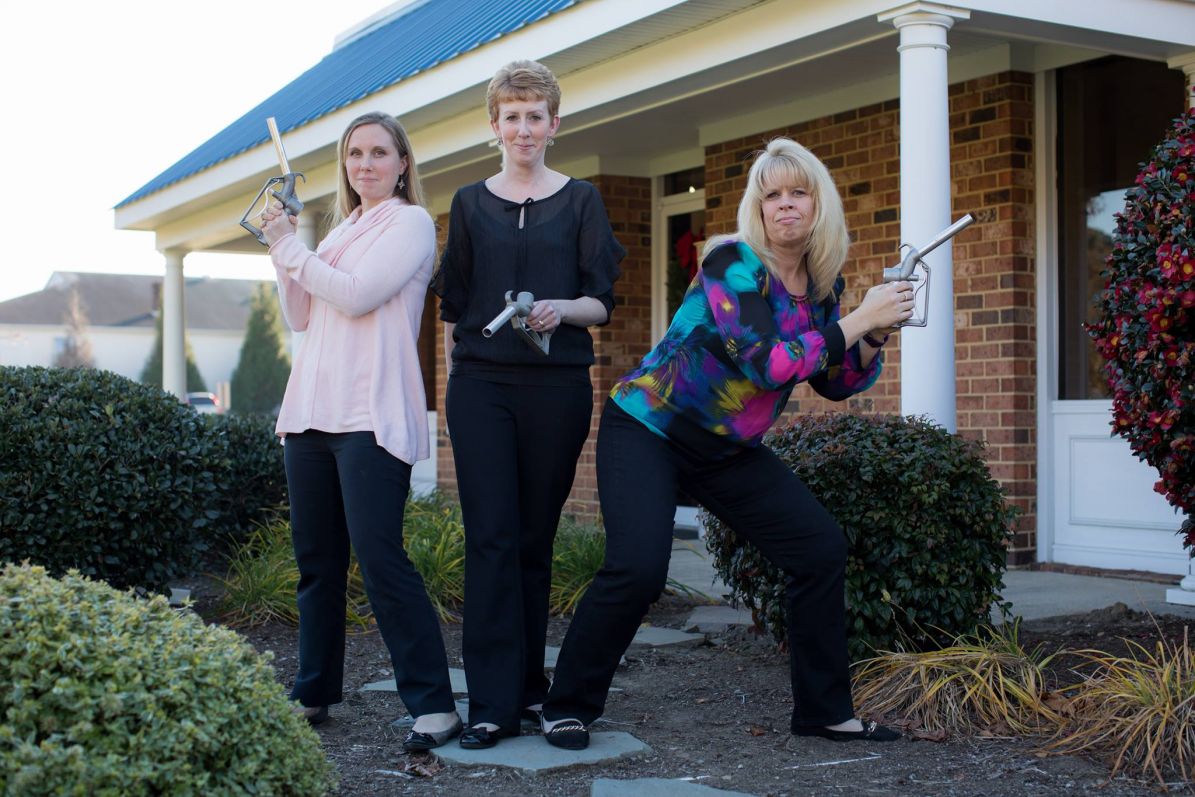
(516, 449)
(754, 493)
(345, 488)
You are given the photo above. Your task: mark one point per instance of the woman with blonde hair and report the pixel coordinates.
(517, 413)
(354, 421)
(761, 316)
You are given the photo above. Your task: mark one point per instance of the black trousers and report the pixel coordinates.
(516, 449)
(345, 488)
(760, 498)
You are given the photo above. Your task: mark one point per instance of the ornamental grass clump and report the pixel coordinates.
(262, 582)
(576, 558)
(435, 541)
(982, 683)
(1146, 326)
(262, 576)
(108, 695)
(926, 527)
(1136, 711)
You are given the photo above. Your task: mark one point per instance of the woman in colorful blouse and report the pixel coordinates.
(761, 316)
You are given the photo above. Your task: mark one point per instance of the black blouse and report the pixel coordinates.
(564, 250)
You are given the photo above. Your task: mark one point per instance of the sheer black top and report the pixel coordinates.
(564, 250)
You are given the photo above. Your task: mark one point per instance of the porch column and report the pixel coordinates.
(1184, 593)
(1186, 62)
(927, 384)
(174, 358)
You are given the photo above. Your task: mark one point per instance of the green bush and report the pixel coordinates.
(108, 695)
(1145, 330)
(103, 474)
(926, 527)
(253, 479)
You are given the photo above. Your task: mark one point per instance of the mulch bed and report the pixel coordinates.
(718, 714)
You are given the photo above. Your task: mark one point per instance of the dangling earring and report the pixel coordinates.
(551, 141)
(402, 184)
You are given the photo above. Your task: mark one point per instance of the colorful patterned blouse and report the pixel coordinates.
(736, 347)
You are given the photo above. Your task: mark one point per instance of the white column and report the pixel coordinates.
(1186, 62)
(927, 385)
(174, 358)
(1184, 593)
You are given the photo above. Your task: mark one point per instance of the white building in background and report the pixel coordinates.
(121, 310)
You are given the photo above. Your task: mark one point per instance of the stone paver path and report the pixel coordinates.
(657, 787)
(716, 619)
(533, 754)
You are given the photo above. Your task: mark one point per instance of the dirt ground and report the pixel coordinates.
(716, 714)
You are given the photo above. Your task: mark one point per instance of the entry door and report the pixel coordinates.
(678, 231)
(1106, 513)
(1103, 510)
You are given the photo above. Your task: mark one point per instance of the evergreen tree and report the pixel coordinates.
(151, 374)
(76, 353)
(261, 373)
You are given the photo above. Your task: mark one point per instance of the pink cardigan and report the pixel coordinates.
(359, 298)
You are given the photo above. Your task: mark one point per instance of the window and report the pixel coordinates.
(1111, 114)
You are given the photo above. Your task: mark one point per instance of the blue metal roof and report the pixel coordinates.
(422, 36)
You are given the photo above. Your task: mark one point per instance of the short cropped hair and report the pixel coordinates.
(523, 80)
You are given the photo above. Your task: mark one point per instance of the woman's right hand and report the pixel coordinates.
(887, 304)
(276, 223)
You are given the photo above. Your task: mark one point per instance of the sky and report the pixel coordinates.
(101, 97)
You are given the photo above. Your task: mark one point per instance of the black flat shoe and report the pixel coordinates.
(872, 732)
(313, 714)
(417, 741)
(568, 734)
(479, 738)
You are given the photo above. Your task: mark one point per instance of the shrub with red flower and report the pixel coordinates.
(1146, 331)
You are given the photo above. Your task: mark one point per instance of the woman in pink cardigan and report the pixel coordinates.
(354, 419)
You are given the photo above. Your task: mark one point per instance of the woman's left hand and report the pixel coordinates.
(544, 316)
(276, 223)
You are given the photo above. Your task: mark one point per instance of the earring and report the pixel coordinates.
(401, 183)
(551, 141)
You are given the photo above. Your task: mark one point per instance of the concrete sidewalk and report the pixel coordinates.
(1034, 594)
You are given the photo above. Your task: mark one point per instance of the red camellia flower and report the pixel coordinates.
(1146, 326)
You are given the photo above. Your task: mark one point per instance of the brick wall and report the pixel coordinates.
(445, 465)
(619, 345)
(992, 178)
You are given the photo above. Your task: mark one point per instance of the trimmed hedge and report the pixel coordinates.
(925, 523)
(253, 481)
(109, 695)
(123, 482)
(103, 474)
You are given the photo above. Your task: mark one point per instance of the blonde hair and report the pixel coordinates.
(528, 81)
(787, 163)
(347, 199)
